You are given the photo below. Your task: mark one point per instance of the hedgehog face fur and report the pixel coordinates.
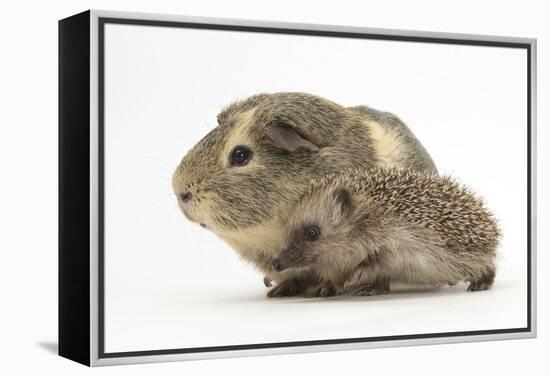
(317, 236)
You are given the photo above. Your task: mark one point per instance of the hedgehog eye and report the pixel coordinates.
(240, 156)
(312, 233)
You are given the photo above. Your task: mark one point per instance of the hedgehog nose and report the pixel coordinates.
(278, 265)
(186, 196)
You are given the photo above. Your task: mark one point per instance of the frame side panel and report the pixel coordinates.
(74, 188)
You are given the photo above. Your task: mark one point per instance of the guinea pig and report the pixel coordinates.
(244, 178)
(370, 227)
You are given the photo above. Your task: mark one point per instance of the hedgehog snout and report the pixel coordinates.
(278, 265)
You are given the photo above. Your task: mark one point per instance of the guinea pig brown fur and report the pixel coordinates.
(386, 224)
(244, 178)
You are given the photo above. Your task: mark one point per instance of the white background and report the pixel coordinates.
(29, 191)
(171, 284)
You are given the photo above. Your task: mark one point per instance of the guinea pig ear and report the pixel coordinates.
(287, 138)
(343, 200)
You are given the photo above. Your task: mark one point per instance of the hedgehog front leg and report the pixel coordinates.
(367, 279)
(381, 285)
(363, 274)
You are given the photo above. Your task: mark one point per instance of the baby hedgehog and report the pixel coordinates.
(395, 224)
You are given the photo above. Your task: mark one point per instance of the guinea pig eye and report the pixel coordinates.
(240, 156)
(312, 233)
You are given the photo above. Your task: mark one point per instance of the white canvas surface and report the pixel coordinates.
(171, 284)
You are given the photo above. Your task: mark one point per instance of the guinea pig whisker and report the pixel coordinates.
(161, 177)
(201, 115)
(166, 165)
(166, 195)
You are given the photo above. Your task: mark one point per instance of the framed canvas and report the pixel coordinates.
(186, 145)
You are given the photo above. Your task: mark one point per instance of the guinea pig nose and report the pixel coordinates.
(278, 265)
(186, 196)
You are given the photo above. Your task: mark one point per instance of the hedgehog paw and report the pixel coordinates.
(268, 282)
(480, 286)
(286, 288)
(380, 286)
(322, 290)
(485, 282)
(364, 290)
